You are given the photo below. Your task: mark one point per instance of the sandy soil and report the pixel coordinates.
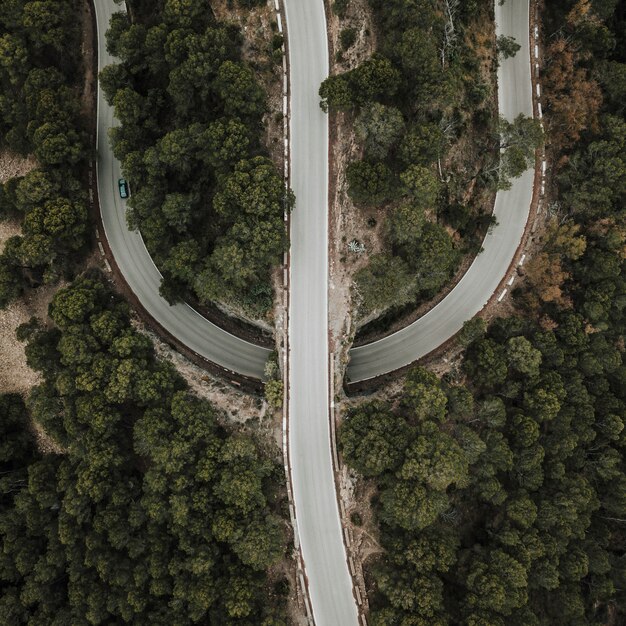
(236, 407)
(15, 375)
(8, 229)
(346, 222)
(12, 165)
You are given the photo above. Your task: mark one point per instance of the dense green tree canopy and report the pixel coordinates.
(169, 523)
(208, 202)
(40, 115)
(532, 470)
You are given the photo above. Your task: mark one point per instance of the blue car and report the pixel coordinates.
(124, 190)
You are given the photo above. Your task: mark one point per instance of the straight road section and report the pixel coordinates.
(323, 552)
(133, 259)
(488, 269)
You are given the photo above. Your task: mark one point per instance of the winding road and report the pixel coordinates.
(319, 527)
(133, 260)
(500, 245)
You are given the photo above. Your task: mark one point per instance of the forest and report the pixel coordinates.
(423, 108)
(40, 85)
(501, 488)
(206, 197)
(149, 511)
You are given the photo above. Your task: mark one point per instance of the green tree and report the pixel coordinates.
(518, 141)
(406, 223)
(274, 393)
(421, 184)
(379, 127)
(373, 440)
(423, 395)
(369, 183)
(507, 46)
(435, 459)
(383, 282)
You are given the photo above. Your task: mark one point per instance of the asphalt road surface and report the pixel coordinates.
(330, 585)
(133, 260)
(499, 247)
(314, 489)
(319, 525)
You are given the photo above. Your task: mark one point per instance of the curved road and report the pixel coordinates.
(330, 586)
(486, 272)
(133, 260)
(320, 534)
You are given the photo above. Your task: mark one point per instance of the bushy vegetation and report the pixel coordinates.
(154, 513)
(40, 83)
(424, 112)
(207, 200)
(502, 502)
(502, 487)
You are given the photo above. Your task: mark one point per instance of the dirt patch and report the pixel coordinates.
(235, 407)
(45, 444)
(8, 228)
(346, 222)
(15, 375)
(13, 165)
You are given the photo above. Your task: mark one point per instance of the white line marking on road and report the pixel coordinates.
(100, 248)
(536, 51)
(280, 23)
(544, 165)
(521, 261)
(540, 110)
(538, 90)
(511, 281)
(502, 295)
